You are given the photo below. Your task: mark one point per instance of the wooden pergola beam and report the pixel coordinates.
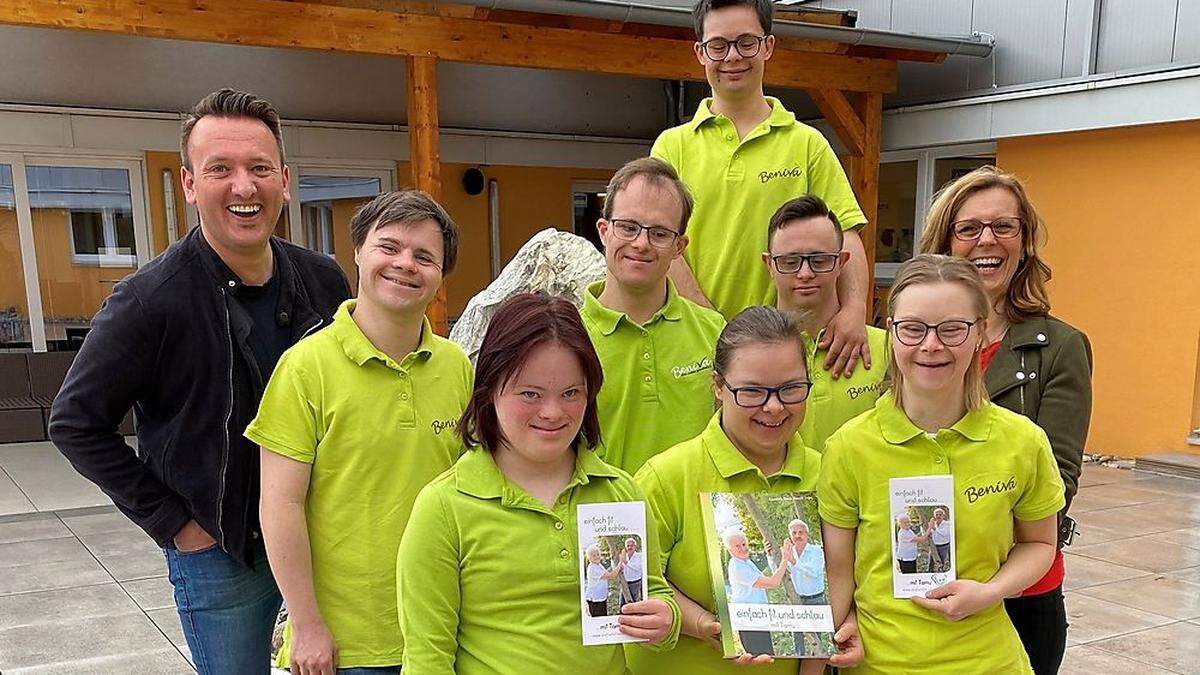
(864, 179)
(299, 25)
(840, 114)
(423, 154)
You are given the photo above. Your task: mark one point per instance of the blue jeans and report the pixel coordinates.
(227, 610)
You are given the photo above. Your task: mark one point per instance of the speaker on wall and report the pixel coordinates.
(472, 181)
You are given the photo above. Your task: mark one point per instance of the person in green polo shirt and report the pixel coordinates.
(357, 418)
(488, 570)
(742, 155)
(936, 421)
(805, 258)
(751, 444)
(656, 346)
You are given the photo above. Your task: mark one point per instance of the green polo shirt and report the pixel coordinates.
(657, 376)
(1003, 470)
(738, 185)
(832, 403)
(489, 576)
(673, 481)
(375, 432)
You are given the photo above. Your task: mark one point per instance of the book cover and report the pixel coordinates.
(612, 539)
(923, 555)
(767, 566)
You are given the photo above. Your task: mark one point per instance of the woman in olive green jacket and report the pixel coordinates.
(1034, 364)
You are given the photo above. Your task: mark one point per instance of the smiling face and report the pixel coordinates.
(736, 75)
(904, 522)
(399, 266)
(237, 182)
(799, 534)
(931, 369)
(630, 546)
(996, 259)
(540, 410)
(739, 547)
(805, 289)
(593, 555)
(639, 264)
(762, 433)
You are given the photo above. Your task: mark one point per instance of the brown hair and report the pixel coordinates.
(229, 103)
(524, 322)
(406, 206)
(757, 325)
(1026, 296)
(659, 174)
(803, 208)
(765, 10)
(929, 268)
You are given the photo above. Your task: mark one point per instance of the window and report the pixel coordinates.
(97, 207)
(318, 226)
(102, 237)
(587, 199)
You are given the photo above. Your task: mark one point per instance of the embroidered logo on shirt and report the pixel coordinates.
(768, 176)
(974, 493)
(440, 425)
(699, 366)
(855, 392)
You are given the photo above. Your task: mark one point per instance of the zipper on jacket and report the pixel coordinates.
(1021, 389)
(313, 328)
(225, 431)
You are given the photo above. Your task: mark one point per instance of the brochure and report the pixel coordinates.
(767, 565)
(923, 555)
(612, 570)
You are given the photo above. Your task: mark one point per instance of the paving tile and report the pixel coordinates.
(12, 500)
(1098, 474)
(1189, 537)
(1090, 660)
(1142, 519)
(47, 478)
(70, 639)
(128, 554)
(1183, 487)
(50, 607)
(1087, 533)
(97, 520)
(154, 593)
(1093, 619)
(164, 661)
(1174, 647)
(21, 553)
(1084, 572)
(167, 621)
(1115, 495)
(1159, 594)
(31, 527)
(1145, 553)
(50, 576)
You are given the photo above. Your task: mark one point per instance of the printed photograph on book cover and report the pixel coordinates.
(922, 534)
(612, 570)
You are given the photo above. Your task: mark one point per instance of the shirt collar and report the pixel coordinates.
(358, 347)
(730, 461)
(976, 425)
(476, 474)
(608, 319)
(779, 117)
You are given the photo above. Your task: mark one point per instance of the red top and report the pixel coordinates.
(1057, 572)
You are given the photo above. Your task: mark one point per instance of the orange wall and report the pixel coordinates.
(156, 163)
(69, 290)
(12, 275)
(1126, 258)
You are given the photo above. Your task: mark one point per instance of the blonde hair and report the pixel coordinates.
(928, 268)
(1026, 296)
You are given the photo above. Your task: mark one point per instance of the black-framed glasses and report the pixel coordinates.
(819, 263)
(951, 333)
(629, 230)
(972, 229)
(717, 49)
(756, 397)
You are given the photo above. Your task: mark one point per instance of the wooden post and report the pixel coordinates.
(424, 157)
(864, 178)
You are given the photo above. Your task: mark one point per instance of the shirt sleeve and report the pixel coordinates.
(656, 583)
(827, 180)
(837, 488)
(661, 515)
(428, 586)
(1044, 493)
(288, 416)
(743, 574)
(663, 149)
(810, 567)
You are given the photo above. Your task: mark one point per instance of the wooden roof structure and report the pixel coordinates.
(846, 81)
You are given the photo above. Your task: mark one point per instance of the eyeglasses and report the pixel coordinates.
(819, 263)
(971, 229)
(717, 49)
(630, 230)
(757, 397)
(950, 333)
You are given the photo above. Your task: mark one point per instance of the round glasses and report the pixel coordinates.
(971, 229)
(819, 263)
(951, 333)
(756, 397)
(717, 49)
(630, 230)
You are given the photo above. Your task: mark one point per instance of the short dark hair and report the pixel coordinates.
(803, 208)
(763, 8)
(524, 322)
(406, 206)
(757, 325)
(656, 172)
(229, 103)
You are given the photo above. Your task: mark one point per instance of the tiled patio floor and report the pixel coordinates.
(84, 591)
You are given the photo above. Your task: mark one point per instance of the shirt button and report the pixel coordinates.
(1020, 376)
(937, 460)
(558, 526)
(1041, 337)
(649, 379)
(403, 397)
(1033, 376)
(563, 554)
(232, 283)
(646, 355)
(729, 137)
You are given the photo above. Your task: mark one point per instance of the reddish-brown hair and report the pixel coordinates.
(523, 323)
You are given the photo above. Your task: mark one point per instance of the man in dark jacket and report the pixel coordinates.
(189, 342)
